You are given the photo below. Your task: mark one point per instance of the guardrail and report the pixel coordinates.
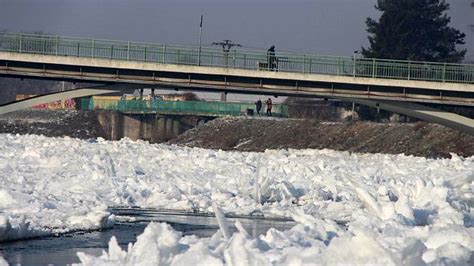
(242, 59)
(179, 107)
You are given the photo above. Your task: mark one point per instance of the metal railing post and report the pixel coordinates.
(338, 68)
(199, 55)
(44, 46)
(164, 53)
(234, 57)
(373, 68)
(226, 58)
(354, 66)
(304, 63)
(128, 51)
(21, 43)
(444, 72)
(93, 48)
(409, 69)
(57, 44)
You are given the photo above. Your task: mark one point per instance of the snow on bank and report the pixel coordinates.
(399, 208)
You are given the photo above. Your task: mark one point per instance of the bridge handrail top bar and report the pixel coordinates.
(237, 52)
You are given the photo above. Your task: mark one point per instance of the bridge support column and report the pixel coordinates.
(176, 125)
(116, 132)
(132, 126)
(223, 96)
(146, 127)
(159, 133)
(168, 128)
(112, 124)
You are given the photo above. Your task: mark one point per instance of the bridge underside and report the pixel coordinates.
(56, 96)
(422, 112)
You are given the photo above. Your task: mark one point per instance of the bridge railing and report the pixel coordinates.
(178, 107)
(241, 59)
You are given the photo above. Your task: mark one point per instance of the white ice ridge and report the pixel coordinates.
(318, 242)
(393, 204)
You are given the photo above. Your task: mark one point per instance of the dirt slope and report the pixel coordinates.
(52, 123)
(244, 134)
(258, 134)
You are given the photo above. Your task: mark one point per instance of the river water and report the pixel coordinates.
(61, 250)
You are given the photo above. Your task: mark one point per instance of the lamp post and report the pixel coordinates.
(200, 40)
(226, 46)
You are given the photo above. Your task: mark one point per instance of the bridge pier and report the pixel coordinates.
(151, 127)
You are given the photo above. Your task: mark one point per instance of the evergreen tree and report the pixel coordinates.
(414, 30)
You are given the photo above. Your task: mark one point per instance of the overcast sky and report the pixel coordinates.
(332, 27)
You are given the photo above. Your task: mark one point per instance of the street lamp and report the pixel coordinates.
(226, 46)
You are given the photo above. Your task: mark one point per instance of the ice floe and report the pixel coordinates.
(350, 208)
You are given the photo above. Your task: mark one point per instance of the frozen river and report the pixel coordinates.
(62, 250)
(399, 208)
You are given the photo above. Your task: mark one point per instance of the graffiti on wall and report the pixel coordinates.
(60, 104)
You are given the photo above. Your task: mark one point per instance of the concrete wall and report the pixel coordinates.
(151, 127)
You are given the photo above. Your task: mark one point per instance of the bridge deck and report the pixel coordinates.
(242, 59)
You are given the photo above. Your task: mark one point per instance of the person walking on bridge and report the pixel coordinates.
(271, 58)
(269, 107)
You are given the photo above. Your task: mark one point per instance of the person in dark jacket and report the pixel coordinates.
(269, 107)
(271, 58)
(258, 106)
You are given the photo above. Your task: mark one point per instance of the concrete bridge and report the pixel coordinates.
(397, 86)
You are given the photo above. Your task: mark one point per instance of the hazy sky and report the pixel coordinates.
(333, 27)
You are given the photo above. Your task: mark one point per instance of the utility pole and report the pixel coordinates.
(226, 46)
